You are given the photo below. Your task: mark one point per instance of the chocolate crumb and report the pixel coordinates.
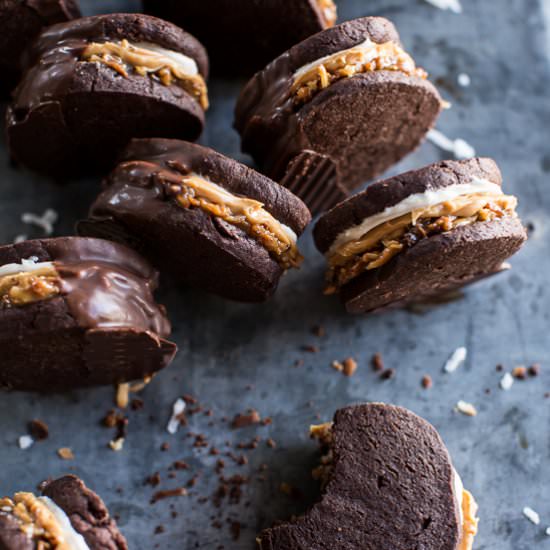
(159, 529)
(387, 374)
(244, 420)
(499, 368)
(136, 404)
(377, 362)
(534, 369)
(165, 446)
(39, 429)
(153, 480)
(160, 495)
(271, 443)
(235, 529)
(310, 348)
(110, 419)
(318, 331)
(427, 382)
(180, 465)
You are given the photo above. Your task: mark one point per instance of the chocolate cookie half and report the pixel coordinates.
(93, 84)
(207, 220)
(68, 516)
(242, 36)
(419, 234)
(335, 110)
(78, 312)
(21, 22)
(388, 484)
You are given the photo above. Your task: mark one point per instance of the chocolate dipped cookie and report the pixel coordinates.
(419, 234)
(92, 84)
(21, 21)
(67, 516)
(242, 36)
(205, 219)
(78, 312)
(335, 110)
(388, 484)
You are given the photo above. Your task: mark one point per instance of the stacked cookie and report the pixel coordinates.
(125, 96)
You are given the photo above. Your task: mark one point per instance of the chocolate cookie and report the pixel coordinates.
(78, 312)
(68, 515)
(207, 220)
(21, 22)
(242, 36)
(93, 84)
(419, 234)
(335, 110)
(388, 484)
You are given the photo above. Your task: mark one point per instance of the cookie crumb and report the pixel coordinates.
(520, 372)
(122, 395)
(65, 453)
(534, 369)
(350, 366)
(161, 495)
(427, 382)
(466, 408)
(377, 362)
(39, 429)
(244, 420)
(387, 374)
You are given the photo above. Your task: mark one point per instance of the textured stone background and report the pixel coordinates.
(502, 454)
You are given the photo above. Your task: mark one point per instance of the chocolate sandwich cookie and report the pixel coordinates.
(78, 312)
(419, 234)
(388, 484)
(67, 516)
(203, 218)
(335, 110)
(21, 21)
(93, 84)
(242, 36)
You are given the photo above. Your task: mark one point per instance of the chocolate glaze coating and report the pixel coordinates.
(87, 512)
(390, 488)
(81, 114)
(193, 246)
(242, 36)
(103, 328)
(11, 536)
(436, 264)
(387, 113)
(21, 22)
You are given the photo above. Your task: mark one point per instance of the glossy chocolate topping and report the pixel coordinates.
(105, 285)
(53, 62)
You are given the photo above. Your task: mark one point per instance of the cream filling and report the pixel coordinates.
(26, 266)
(72, 540)
(148, 59)
(417, 201)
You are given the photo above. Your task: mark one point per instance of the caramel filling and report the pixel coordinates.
(36, 521)
(379, 245)
(26, 287)
(469, 521)
(329, 11)
(192, 190)
(150, 60)
(366, 57)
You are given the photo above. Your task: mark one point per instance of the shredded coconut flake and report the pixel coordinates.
(45, 221)
(531, 515)
(464, 80)
(547, 531)
(25, 441)
(454, 5)
(507, 381)
(174, 422)
(466, 408)
(456, 359)
(458, 147)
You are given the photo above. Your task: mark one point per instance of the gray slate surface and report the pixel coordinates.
(502, 454)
